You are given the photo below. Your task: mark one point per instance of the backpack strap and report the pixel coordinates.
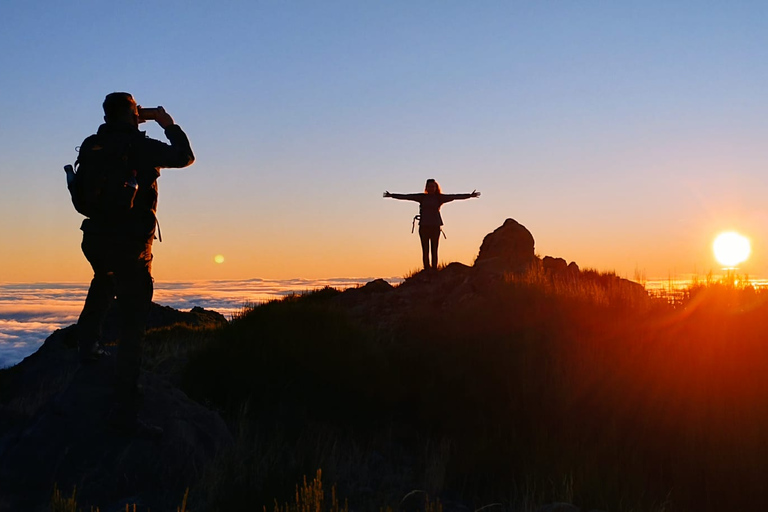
(157, 223)
(97, 142)
(89, 144)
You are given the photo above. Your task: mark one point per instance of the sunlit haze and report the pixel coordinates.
(624, 135)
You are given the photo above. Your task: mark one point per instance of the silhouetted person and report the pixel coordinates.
(119, 249)
(430, 220)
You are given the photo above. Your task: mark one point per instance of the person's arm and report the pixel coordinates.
(447, 198)
(178, 153)
(406, 197)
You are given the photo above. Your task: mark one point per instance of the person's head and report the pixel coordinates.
(120, 107)
(432, 187)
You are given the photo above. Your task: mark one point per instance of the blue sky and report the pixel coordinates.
(625, 136)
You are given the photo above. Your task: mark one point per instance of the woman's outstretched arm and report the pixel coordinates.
(447, 198)
(407, 197)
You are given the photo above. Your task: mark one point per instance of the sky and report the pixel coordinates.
(624, 135)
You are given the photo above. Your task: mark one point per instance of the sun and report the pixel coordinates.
(218, 259)
(731, 248)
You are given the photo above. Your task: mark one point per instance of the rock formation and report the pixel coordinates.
(53, 431)
(510, 248)
(554, 265)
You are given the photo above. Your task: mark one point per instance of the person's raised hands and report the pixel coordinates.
(163, 118)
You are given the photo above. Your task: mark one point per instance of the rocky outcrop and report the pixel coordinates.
(375, 286)
(163, 316)
(507, 250)
(510, 248)
(53, 430)
(558, 267)
(554, 265)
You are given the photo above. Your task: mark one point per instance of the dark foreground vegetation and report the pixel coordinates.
(532, 392)
(516, 392)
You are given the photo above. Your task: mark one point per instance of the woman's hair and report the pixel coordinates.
(437, 185)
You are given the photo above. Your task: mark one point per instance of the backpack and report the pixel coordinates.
(103, 183)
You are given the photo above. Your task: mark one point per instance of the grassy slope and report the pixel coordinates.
(530, 393)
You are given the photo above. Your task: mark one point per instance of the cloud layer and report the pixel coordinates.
(30, 312)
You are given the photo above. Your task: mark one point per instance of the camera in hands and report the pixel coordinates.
(149, 114)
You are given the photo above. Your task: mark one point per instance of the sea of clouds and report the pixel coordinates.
(30, 312)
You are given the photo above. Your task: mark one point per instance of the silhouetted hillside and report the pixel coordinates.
(519, 380)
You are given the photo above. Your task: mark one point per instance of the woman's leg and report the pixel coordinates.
(424, 235)
(435, 240)
(430, 235)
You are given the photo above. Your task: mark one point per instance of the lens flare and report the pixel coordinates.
(731, 249)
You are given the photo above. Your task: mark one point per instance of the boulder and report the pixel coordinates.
(165, 316)
(161, 316)
(554, 265)
(54, 430)
(509, 248)
(375, 286)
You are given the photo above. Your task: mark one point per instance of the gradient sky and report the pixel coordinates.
(624, 135)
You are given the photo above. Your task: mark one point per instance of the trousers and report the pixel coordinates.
(122, 273)
(430, 235)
